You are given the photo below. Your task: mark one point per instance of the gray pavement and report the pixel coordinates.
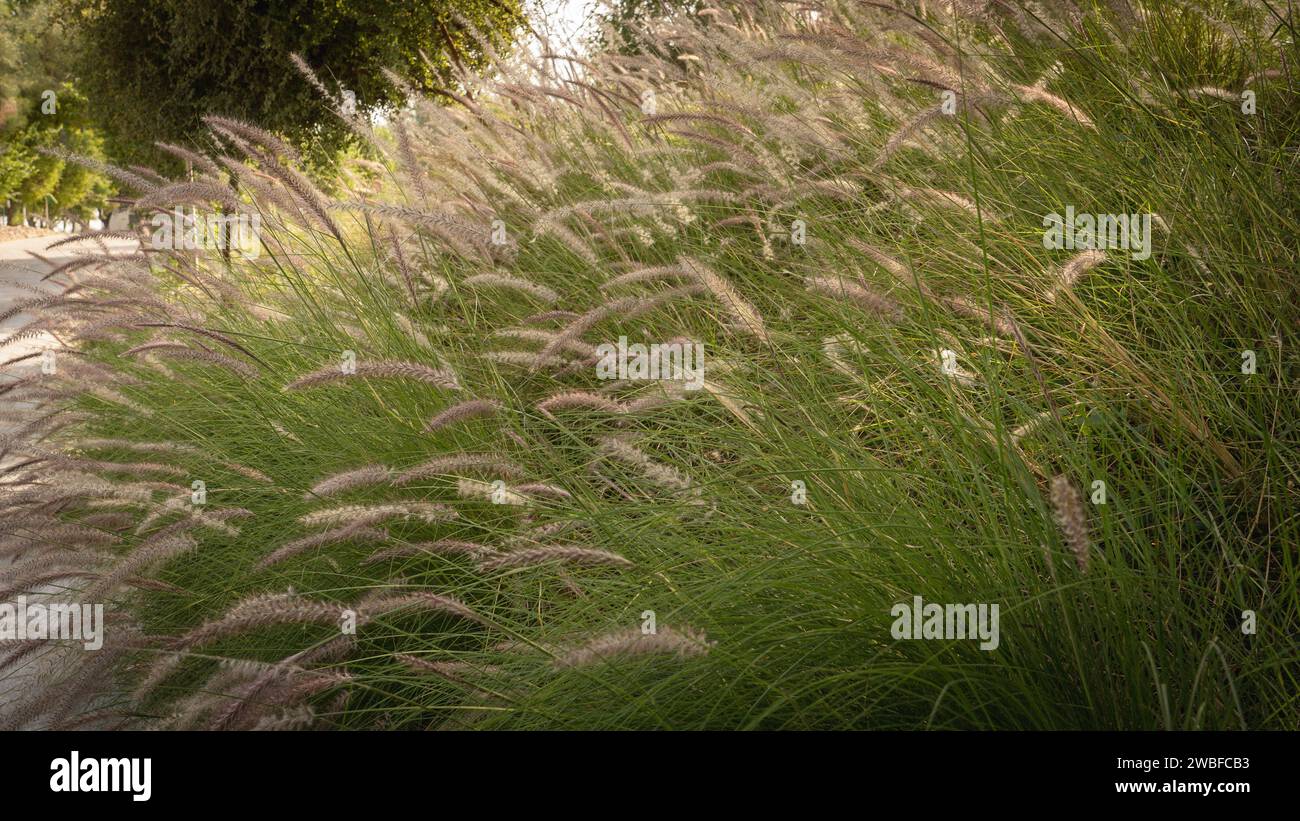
(19, 273)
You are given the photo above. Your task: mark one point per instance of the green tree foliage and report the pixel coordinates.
(154, 68)
(41, 108)
(58, 121)
(622, 21)
(81, 192)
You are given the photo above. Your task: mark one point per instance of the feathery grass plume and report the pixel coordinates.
(1213, 91)
(273, 685)
(133, 468)
(16, 575)
(566, 554)
(31, 583)
(1070, 273)
(175, 448)
(632, 642)
(55, 530)
(542, 489)
(539, 292)
(128, 178)
(384, 603)
(441, 377)
(1067, 509)
(569, 239)
(196, 515)
(948, 199)
(454, 671)
(408, 278)
(881, 60)
(158, 672)
(108, 719)
(657, 472)
(725, 123)
(469, 409)
(308, 73)
(544, 533)
(148, 173)
(475, 489)
(429, 512)
(651, 274)
(292, 719)
(410, 164)
(305, 193)
(355, 121)
(1039, 95)
(205, 332)
(624, 308)
(550, 316)
(31, 304)
(856, 293)
(88, 371)
(664, 392)
(22, 336)
(204, 164)
(452, 464)
(263, 191)
(565, 400)
(465, 238)
(544, 337)
(284, 432)
(261, 610)
(533, 360)
(344, 481)
(86, 236)
(408, 327)
(112, 397)
(243, 369)
(745, 314)
(727, 146)
(94, 261)
(274, 145)
(899, 271)
(73, 688)
(354, 532)
(84, 484)
(147, 554)
(196, 191)
(905, 132)
(965, 307)
(441, 547)
(247, 472)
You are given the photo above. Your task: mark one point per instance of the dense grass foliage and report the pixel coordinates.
(860, 254)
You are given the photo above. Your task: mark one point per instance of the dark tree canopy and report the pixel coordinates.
(154, 68)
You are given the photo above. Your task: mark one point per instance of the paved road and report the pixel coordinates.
(19, 272)
(18, 269)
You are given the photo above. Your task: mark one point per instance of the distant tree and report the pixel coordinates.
(81, 193)
(623, 18)
(41, 108)
(31, 179)
(153, 68)
(16, 163)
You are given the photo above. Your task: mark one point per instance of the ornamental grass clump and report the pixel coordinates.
(372, 475)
